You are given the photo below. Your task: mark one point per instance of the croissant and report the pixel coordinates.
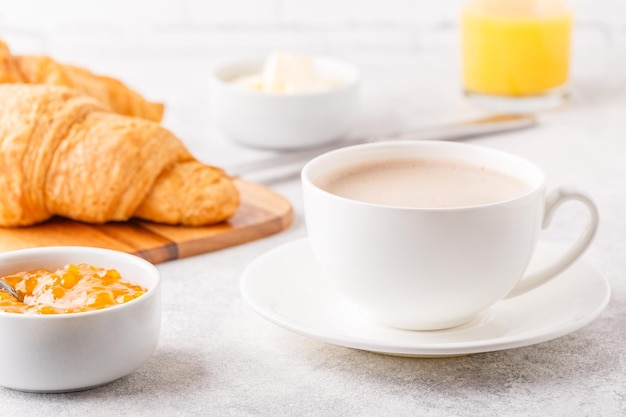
(64, 153)
(45, 70)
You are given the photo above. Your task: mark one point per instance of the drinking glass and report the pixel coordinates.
(516, 53)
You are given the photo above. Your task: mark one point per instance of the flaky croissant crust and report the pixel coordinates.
(45, 70)
(64, 153)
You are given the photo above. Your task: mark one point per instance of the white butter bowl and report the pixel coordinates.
(281, 121)
(76, 351)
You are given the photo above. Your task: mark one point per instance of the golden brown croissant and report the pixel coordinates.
(45, 70)
(64, 153)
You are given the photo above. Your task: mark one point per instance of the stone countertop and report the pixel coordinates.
(216, 356)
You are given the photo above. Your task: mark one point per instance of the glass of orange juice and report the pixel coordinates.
(516, 53)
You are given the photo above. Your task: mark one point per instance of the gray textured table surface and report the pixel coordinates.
(218, 357)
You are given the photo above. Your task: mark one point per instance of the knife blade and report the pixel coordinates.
(500, 123)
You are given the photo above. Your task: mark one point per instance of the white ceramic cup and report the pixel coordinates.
(433, 268)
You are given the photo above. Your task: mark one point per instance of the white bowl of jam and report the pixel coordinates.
(85, 317)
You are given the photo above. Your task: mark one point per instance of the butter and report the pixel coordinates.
(287, 73)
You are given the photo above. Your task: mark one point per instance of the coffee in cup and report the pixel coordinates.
(426, 235)
(422, 183)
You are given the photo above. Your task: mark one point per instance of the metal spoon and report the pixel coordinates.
(9, 288)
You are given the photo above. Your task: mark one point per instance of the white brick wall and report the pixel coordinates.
(36, 25)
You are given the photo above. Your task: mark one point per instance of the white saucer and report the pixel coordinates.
(286, 287)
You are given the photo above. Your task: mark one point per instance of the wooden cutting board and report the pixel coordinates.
(261, 213)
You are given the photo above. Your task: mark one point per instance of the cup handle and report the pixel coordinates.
(553, 202)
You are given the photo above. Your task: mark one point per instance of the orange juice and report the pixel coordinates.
(515, 48)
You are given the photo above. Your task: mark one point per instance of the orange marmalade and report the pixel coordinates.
(72, 289)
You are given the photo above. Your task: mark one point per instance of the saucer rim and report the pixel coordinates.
(422, 349)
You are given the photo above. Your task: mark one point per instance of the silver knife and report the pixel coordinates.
(458, 131)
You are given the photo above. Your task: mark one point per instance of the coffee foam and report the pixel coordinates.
(422, 183)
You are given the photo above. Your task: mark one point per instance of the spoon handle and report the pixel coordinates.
(459, 131)
(9, 289)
